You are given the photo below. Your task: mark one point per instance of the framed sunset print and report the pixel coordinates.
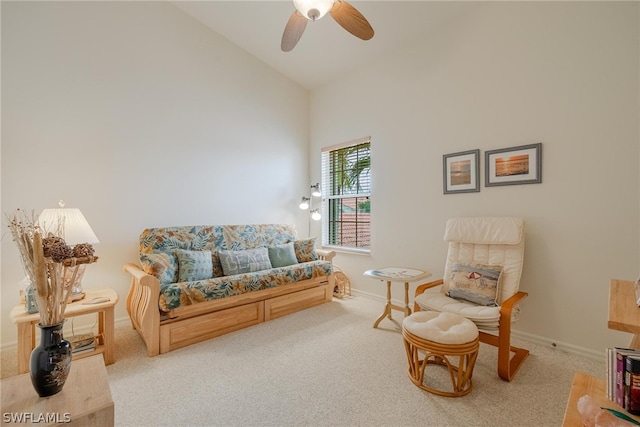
(461, 172)
(514, 165)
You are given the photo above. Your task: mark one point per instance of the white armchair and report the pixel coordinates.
(482, 246)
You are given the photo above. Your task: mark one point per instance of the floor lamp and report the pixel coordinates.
(307, 203)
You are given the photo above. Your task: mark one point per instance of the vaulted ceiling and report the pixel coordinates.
(326, 50)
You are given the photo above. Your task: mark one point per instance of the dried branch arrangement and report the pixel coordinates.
(50, 264)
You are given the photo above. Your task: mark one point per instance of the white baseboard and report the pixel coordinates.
(598, 356)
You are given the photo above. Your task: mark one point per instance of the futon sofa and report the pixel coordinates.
(194, 283)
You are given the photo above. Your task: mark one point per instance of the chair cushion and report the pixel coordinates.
(485, 230)
(484, 317)
(443, 328)
(476, 245)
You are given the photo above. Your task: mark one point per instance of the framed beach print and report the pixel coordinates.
(461, 172)
(514, 165)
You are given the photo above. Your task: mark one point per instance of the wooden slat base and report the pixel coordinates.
(175, 334)
(198, 322)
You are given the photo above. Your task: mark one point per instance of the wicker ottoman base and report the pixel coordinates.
(458, 358)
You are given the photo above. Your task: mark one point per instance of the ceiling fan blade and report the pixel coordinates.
(293, 31)
(351, 20)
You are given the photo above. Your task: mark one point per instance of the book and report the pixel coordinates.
(632, 384)
(82, 342)
(610, 369)
(85, 349)
(618, 375)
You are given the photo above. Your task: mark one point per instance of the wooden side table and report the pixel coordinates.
(396, 274)
(26, 324)
(595, 387)
(85, 399)
(624, 313)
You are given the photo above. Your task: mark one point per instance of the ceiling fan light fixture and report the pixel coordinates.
(342, 12)
(313, 9)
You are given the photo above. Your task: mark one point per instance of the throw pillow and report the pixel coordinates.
(246, 261)
(161, 265)
(282, 255)
(476, 283)
(194, 265)
(306, 249)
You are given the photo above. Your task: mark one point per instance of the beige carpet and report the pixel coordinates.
(325, 366)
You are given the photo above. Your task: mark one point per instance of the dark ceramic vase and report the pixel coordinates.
(50, 361)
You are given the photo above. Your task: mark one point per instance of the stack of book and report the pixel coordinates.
(82, 343)
(620, 375)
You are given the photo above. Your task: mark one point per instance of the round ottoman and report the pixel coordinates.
(441, 337)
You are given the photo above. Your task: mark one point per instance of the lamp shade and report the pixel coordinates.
(68, 223)
(315, 190)
(304, 204)
(313, 9)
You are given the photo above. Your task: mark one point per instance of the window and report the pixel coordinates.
(346, 182)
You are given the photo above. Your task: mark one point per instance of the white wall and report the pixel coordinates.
(140, 116)
(508, 73)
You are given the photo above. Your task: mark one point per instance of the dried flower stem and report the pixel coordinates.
(50, 278)
(39, 266)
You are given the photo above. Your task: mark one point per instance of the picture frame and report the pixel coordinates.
(461, 172)
(513, 165)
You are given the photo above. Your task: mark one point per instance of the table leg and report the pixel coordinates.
(106, 320)
(635, 342)
(26, 343)
(387, 307)
(407, 310)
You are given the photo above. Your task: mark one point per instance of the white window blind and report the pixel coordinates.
(346, 183)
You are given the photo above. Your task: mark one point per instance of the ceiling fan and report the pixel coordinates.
(310, 10)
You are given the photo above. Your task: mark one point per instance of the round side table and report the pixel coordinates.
(396, 274)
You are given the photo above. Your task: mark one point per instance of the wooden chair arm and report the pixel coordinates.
(420, 289)
(141, 277)
(325, 254)
(507, 306)
(142, 306)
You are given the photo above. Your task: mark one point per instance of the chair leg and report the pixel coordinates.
(507, 365)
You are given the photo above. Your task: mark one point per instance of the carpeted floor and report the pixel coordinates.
(325, 366)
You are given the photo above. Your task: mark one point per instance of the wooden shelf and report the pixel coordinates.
(624, 313)
(26, 324)
(594, 387)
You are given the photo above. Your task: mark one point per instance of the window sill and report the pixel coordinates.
(345, 250)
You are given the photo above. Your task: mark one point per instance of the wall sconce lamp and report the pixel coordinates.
(307, 202)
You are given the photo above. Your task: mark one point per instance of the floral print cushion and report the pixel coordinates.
(306, 250)
(212, 238)
(158, 247)
(174, 295)
(161, 265)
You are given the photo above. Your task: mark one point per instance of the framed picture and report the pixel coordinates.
(514, 165)
(461, 172)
